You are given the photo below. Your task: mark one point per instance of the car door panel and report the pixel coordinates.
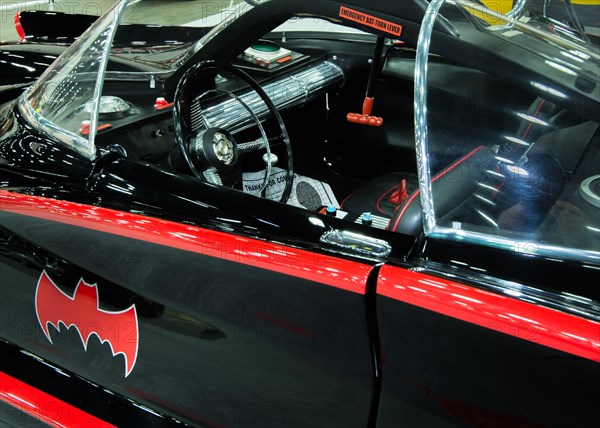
(457, 355)
(251, 333)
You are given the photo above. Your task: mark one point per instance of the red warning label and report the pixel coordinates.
(370, 21)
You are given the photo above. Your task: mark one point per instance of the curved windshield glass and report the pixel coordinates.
(56, 103)
(510, 158)
(65, 100)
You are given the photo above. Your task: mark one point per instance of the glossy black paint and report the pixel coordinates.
(260, 218)
(301, 346)
(556, 277)
(72, 389)
(29, 152)
(442, 372)
(175, 195)
(227, 344)
(53, 27)
(48, 34)
(65, 28)
(22, 65)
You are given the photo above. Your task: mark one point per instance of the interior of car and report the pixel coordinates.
(502, 158)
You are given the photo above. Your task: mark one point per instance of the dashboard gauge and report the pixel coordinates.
(108, 105)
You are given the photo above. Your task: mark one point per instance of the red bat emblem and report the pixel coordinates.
(119, 328)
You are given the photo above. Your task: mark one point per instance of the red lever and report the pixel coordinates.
(19, 27)
(399, 195)
(365, 118)
(161, 104)
(368, 106)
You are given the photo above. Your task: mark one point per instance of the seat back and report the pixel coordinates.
(450, 188)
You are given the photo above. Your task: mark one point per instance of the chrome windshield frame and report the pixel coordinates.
(118, 9)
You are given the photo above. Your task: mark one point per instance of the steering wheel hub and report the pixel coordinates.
(215, 148)
(223, 148)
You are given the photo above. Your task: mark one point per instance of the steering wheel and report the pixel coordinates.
(211, 152)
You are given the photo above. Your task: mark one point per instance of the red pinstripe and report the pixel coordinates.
(45, 407)
(433, 180)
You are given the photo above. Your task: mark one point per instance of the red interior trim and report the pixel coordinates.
(526, 133)
(433, 180)
(404, 208)
(538, 324)
(345, 274)
(45, 407)
(387, 193)
(346, 199)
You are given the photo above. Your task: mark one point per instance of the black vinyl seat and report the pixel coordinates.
(451, 187)
(380, 196)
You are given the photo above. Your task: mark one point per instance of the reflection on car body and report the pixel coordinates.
(221, 229)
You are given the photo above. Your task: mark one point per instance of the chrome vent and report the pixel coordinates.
(291, 90)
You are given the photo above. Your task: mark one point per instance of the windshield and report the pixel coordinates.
(65, 100)
(62, 102)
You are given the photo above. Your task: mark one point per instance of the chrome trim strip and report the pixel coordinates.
(420, 106)
(355, 243)
(516, 10)
(83, 146)
(518, 246)
(14, 86)
(137, 75)
(117, 13)
(50, 129)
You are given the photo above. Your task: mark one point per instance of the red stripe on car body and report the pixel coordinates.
(45, 407)
(345, 274)
(505, 314)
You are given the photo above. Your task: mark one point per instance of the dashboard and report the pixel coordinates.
(136, 118)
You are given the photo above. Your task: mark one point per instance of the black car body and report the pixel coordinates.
(160, 266)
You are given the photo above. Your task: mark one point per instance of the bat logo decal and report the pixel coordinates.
(118, 328)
